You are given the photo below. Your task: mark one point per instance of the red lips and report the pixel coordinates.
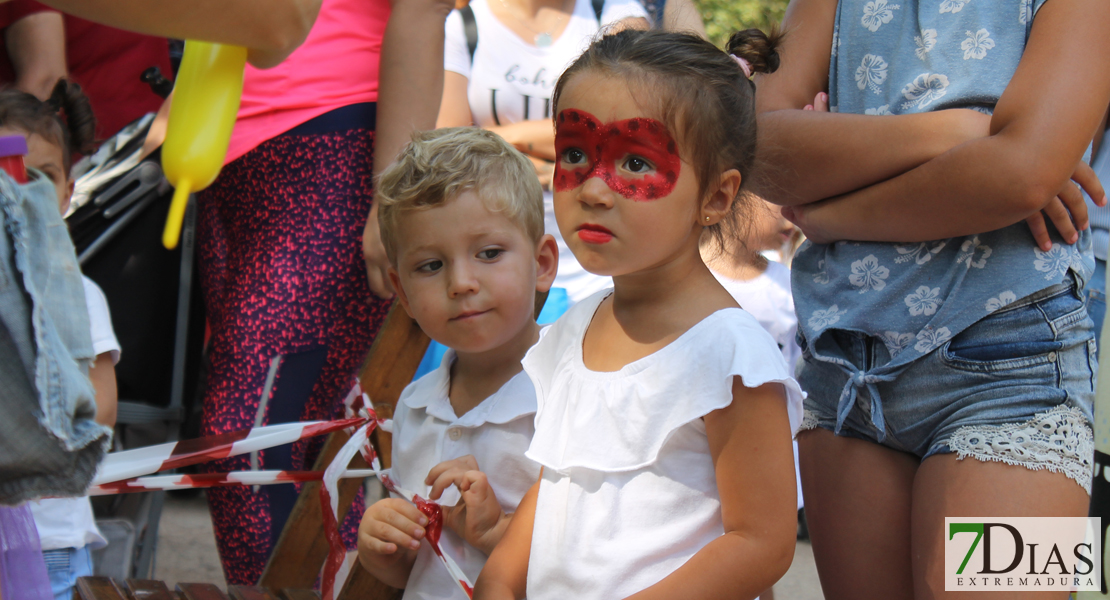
(594, 234)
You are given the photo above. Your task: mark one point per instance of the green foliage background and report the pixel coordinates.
(723, 17)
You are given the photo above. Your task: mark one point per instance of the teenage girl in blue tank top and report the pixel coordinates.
(949, 358)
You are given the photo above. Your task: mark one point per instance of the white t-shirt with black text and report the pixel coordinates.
(511, 79)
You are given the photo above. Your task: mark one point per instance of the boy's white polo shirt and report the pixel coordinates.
(426, 432)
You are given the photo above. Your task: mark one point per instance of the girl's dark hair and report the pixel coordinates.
(65, 118)
(701, 92)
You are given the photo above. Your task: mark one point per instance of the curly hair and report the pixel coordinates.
(438, 165)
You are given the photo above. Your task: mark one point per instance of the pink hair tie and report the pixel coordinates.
(744, 66)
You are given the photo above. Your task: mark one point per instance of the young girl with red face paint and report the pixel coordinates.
(665, 411)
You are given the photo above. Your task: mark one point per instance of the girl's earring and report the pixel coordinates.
(707, 219)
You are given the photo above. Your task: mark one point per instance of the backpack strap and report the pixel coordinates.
(470, 27)
(598, 5)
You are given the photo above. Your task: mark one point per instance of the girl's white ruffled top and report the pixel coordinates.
(628, 492)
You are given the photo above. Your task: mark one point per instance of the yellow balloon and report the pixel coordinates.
(202, 114)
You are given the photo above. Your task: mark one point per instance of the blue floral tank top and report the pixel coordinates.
(907, 56)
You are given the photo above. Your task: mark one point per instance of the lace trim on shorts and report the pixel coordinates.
(809, 421)
(1059, 440)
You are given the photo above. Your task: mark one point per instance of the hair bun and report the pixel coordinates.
(758, 49)
(68, 99)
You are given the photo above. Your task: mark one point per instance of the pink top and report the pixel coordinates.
(336, 66)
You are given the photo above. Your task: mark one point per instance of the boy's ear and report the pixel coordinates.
(395, 281)
(718, 203)
(547, 262)
(70, 182)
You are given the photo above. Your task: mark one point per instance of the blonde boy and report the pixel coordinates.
(461, 216)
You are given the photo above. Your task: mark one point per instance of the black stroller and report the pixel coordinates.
(119, 209)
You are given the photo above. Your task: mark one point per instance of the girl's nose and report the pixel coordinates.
(596, 193)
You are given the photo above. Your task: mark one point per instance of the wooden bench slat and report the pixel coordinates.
(149, 589)
(99, 588)
(201, 591)
(292, 594)
(249, 592)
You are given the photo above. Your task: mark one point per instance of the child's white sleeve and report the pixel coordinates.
(456, 56)
(100, 321)
(616, 10)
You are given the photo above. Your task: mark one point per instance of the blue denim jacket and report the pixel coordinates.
(49, 443)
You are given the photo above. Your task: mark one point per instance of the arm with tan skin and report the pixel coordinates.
(102, 373)
(1068, 211)
(807, 156)
(36, 45)
(504, 577)
(269, 29)
(410, 85)
(1022, 168)
(750, 444)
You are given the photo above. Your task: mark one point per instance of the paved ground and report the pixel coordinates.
(800, 582)
(187, 552)
(186, 544)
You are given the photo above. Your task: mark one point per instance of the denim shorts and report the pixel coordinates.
(64, 566)
(1096, 296)
(1016, 387)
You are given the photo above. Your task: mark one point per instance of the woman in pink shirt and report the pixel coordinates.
(284, 283)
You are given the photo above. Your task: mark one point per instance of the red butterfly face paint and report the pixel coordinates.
(637, 158)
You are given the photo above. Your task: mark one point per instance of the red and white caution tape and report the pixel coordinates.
(329, 495)
(131, 471)
(206, 480)
(329, 503)
(118, 466)
(434, 512)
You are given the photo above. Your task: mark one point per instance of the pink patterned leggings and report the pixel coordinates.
(291, 316)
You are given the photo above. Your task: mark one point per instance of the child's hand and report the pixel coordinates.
(478, 519)
(389, 525)
(1067, 210)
